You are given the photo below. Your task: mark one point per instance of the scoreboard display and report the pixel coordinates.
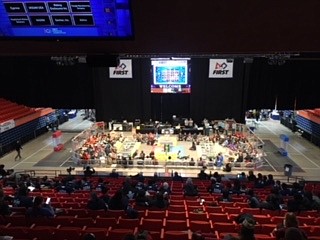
(64, 19)
(170, 76)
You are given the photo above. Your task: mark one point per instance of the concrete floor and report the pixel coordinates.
(303, 153)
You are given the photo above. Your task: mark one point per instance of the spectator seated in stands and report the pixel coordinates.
(101, 185)
(3, 173)
(215, 184)
(22, 199)
(251, 177)
(142, 198)
(177, 177)
(96, 203)
(290, 221)
(40, 209)
(190, 189)
(4, 206)
(294, 234)
(253, 200)
(160, 201)
(226, 196)
(273, 200)
(153, 183)
(65, 186)
(139, 177)
(309, 201)
(114, 174)
(247, 227)
(202, 175)
(165, 189)
(118, 201)
(242, 176)
(260, 181)
(89, 171)
(270, 181)
(105, 196)
(89, 236)
(284, 190)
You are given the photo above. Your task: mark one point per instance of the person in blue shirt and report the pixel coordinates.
(219, 160)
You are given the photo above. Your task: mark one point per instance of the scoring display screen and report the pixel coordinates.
(170, 76)
(64, 19)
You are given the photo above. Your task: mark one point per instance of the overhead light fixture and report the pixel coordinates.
(180, 58)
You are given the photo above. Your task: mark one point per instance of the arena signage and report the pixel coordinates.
(123, 70)
(221, 68)
(7, 125)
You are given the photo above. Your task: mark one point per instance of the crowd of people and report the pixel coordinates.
(237, 146)
(154, 192)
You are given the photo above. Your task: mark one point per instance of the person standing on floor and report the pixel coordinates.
(18, 149)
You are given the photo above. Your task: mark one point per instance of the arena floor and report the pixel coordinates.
(38, 154)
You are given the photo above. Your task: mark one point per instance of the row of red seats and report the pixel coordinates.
(15, 115)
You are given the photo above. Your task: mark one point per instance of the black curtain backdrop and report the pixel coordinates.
(123, 99)
(131, 98)
(295, 81)
(38, 82)
(217, 98)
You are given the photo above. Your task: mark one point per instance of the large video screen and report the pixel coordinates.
(59, 19)
(170, 76)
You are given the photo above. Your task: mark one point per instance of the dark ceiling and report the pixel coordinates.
(199, 27)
